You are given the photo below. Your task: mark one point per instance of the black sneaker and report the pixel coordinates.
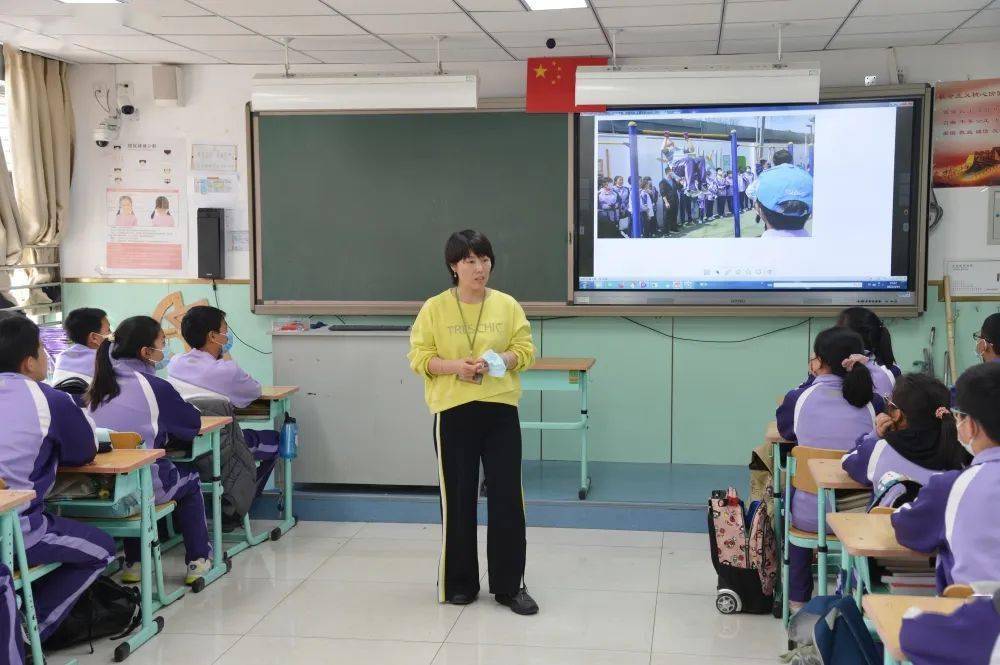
(519, 603)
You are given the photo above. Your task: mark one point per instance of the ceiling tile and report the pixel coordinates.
(84, 56)
(228, 42)
(461, 40)
(970, 35)
(386, 24)
(491, 5)
(648, 3)
(769, 46)
(671, 48)
(359, 57)
(33, 7)
(463, 55)
(984, 19)
(557, 19)
(340, 43)
(562, 37)
(768, 32)
(787, 10)
(167, 7)
(891, 7)
(264, 7)
(116, 43)
(600, 50)
(58, 25)
(903, 23)
(300, 25)
(170, 57)
(266, 57)
(885, 40)
(659, 33)
(393, 6)
(187, 25)
(615, 17)
(30, 40)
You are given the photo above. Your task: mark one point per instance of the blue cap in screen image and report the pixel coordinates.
(781, 184)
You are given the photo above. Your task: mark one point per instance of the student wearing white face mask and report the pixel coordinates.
(988, 339)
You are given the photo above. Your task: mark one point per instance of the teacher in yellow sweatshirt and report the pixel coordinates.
(470, 343)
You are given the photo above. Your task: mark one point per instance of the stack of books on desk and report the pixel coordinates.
(909, 577)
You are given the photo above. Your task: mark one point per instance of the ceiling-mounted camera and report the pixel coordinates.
(124, 99)
(106, 131)
(550, 43)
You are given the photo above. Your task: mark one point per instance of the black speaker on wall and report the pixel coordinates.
(211, 243)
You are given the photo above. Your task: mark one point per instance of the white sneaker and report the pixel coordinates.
(197, 569)
(132, 573)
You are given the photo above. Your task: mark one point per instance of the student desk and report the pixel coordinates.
(208, 441)
(11, 547)
(563, 375)
(829, 476)
(278, 400)
(864, 535)
(126, 464)
(886, 613)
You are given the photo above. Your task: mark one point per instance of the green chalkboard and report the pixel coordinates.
(358, 207)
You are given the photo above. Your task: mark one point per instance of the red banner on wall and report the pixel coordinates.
(552, 84)
(967, 133)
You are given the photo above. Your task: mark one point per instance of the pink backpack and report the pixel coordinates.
(745, 560)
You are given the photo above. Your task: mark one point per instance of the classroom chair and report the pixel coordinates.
(798, 476)
(958, 591)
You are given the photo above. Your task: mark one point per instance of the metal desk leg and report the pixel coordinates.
(221, 564)
(584, 418)
(289, 519)
(821, 540)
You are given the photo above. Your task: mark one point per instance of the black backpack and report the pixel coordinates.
(105, 609)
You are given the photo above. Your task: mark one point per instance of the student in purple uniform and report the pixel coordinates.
(205, 372)
(127, 396)
(44, 429)
(915, 437)
(954, 514)
(968, 636)
(11, 644)
(832, 411)
(86, 327)
(988, 339)
(878, 346)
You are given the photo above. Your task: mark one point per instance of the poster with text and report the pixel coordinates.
(145, 230)
(967, 133)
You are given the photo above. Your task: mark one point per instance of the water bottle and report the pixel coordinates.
(288, 442)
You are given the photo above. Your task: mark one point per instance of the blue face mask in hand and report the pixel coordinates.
(496, 363)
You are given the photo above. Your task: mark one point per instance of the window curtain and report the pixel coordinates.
(10, 234)
(42, 134)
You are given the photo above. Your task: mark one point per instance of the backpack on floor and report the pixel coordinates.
(831, 631)
(105, 609)
(746, 560)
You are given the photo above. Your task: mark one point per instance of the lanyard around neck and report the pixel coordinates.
(465, 326)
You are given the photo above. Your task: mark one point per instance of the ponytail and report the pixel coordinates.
(874, 334)
(882, 347)
(833, 347)
(133, 335)
(104, 387)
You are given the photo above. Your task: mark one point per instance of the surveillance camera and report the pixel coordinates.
(550, 42)
(106, 131)
(125, 99)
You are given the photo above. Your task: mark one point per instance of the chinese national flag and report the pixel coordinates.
(552, 84)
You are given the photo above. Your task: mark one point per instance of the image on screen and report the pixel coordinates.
(767, 198)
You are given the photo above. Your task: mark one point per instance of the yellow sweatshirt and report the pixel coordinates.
(439, 332)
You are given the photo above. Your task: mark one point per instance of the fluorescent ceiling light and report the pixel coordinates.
(537, 5)
(90, 2)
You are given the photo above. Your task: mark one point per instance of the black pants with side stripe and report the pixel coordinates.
(463, 436)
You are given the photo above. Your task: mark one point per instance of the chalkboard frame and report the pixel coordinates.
(389, 307)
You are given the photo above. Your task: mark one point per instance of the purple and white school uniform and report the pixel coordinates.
(11, 645)
(873, 457)
(817, 415)
(968, 636)
(152, 407)
(44, 428)
(884, 377)
(197, 374)
(76, 361)
(954, 515)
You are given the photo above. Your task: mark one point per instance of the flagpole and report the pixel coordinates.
(735, 193)
(633, 167)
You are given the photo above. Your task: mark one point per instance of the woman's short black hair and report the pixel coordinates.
(463, 244)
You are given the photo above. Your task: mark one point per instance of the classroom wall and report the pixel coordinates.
(655, 398)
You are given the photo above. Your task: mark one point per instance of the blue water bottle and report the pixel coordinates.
(288, 442)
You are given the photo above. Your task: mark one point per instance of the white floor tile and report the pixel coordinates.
(691, 625)
(494, 654)
(687, 572)
(549, 536)
(161, 650)
(675, 540)
(229, 606)
(688, 659)
(386, 560)
(287, 559)
(362, 610)
(590, 567)
(305, 529)
(604, 620)
(252, 650)
(397, 531)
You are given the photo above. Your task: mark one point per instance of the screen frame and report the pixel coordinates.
(791, 303)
